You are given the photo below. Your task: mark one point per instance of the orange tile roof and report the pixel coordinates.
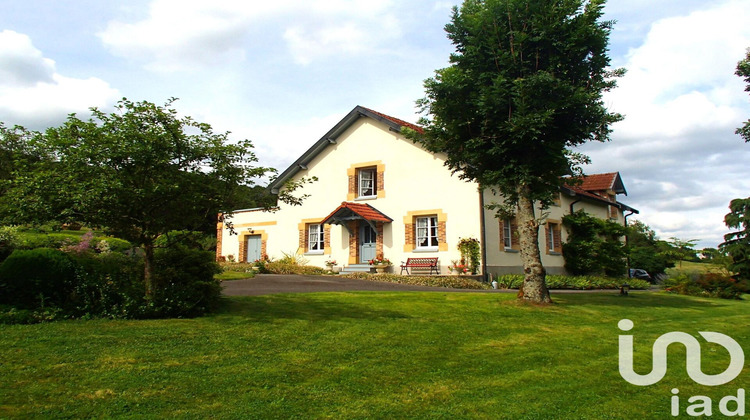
(598, 182)
(365, 211)
(398, 121)
(580, 191)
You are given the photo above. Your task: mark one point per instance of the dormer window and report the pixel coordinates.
(367, 182)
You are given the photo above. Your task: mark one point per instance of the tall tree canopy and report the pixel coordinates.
(524, 86)
(139, 172)
(737, 244)
(743, 70)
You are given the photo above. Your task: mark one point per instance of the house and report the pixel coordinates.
(378, 193)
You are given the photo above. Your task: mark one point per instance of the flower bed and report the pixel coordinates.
(514, 281)
(454, 282)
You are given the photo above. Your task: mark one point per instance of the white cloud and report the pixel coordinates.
(676, 148)
(20, 63)
(682, 77)
(33, 94)
(179, 35)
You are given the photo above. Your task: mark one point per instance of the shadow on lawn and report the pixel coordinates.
(271, 307)
(641, 300)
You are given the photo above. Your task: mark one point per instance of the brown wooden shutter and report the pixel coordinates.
(303, 239)
(514, 244)
(558, 237)
(502, 234)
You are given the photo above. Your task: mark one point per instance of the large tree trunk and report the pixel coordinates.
(148, 264)
(534, 287)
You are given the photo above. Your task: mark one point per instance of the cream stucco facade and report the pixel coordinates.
(414, 207)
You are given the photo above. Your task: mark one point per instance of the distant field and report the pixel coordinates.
(366, 355)
(694, 267)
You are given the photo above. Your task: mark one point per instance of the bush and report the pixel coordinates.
(191, 239)
(708, 285)
(30, 240)
(45, 284)
(58, 240)
(108, 285)
(185, 284)
(8, 241)
(593, 245)
(293, 258)
(514, 281)
(37, 278)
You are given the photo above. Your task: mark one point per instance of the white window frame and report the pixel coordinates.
(361, 179)
(428, 231)
(552, 231)
(315, 239)
(507, 234)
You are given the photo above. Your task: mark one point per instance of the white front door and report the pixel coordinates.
(252, 248)
(367, 241)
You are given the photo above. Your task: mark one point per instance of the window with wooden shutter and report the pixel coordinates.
(553, 233)
(509, 235)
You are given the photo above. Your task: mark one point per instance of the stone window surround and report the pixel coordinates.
(353, 176)
(410, 229)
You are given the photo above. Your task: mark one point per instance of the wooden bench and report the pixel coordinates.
(431, 263)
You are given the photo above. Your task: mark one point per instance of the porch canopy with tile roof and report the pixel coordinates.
(348, 212)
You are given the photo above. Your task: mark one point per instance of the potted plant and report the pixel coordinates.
(459, 267)
(380, 264)
(330, 263)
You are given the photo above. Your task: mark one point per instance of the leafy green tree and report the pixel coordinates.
(737, 244)
(139, 172)
(524, 86)
(743, 70)
(20, 151)
(646, 251)
(682, 250)
(594, 245)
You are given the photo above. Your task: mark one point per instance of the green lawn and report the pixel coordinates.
(367, 355)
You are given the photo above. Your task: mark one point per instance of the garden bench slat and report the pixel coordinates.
(431, 263)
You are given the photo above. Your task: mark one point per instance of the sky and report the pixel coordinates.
(282, 73)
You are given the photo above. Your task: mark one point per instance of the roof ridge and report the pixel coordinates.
(398, 121)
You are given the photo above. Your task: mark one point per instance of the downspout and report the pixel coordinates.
(482, 234)
(625, 222)
(572, 204)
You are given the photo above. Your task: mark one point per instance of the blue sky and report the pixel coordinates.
(283, 73)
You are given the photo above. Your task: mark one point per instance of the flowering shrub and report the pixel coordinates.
(470, 252)
(708, 285)
(459, 268)
(433, 281)
(331, 262)
(83, 246)
(9, 240)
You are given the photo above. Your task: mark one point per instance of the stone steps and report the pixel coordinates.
(356, 268)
